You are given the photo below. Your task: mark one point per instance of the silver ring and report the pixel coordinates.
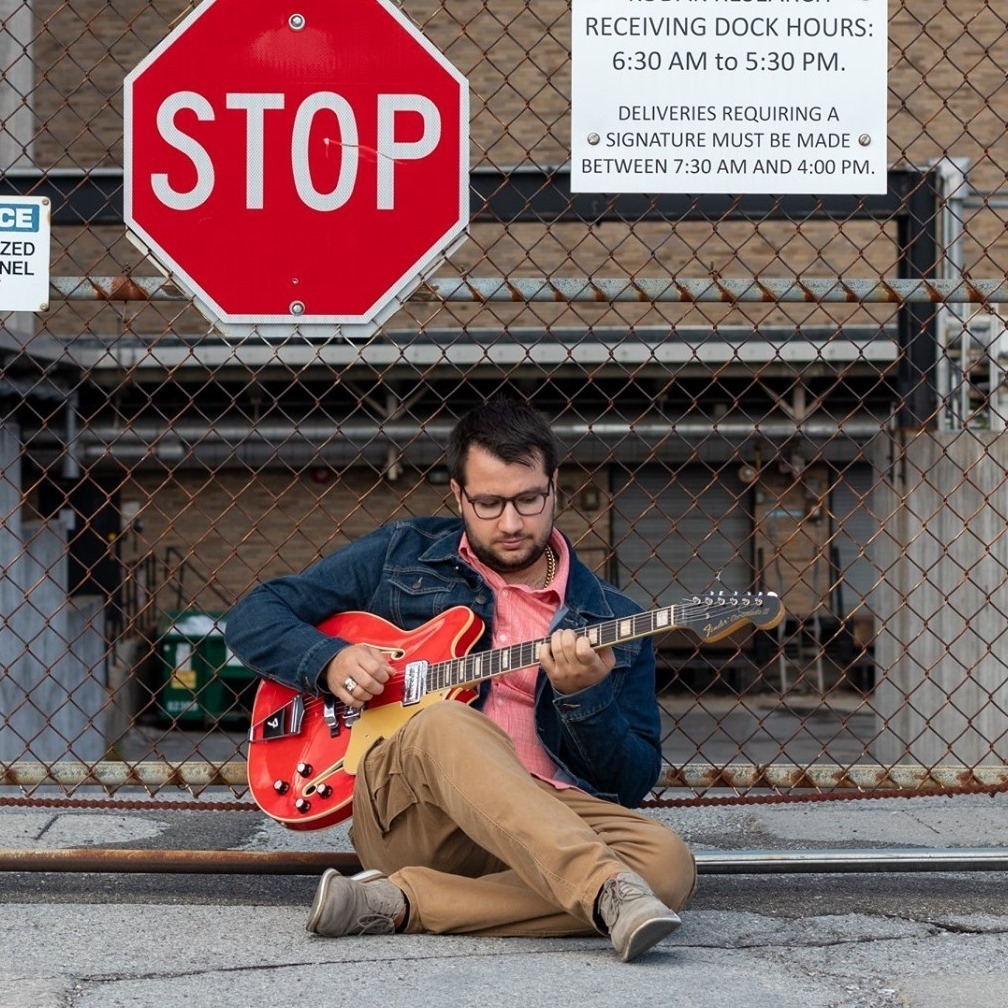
(349, 684)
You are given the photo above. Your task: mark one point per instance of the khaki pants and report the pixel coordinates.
(447, 811)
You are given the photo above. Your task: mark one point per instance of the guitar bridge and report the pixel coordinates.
(414, 682)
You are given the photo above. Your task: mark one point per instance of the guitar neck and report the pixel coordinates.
(482, 665)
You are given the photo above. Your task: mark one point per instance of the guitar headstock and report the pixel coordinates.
(717, 614)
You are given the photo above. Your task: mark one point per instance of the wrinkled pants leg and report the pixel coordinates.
(446, 809)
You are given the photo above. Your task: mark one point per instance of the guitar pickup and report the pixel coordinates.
(414, 682)
(282, 723)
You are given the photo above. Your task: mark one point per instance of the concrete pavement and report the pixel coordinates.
(879, 940)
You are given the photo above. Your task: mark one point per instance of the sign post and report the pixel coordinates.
(299, 167)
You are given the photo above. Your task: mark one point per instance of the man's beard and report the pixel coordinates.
(494, 562)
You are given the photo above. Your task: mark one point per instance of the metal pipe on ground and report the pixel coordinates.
(754, 862)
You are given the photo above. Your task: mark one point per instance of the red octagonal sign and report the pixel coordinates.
(297, 165)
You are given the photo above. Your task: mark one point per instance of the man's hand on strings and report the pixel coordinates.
(571, 662)
(357, 674)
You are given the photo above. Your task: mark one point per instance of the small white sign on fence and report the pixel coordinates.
(24, 253)
(765, 96)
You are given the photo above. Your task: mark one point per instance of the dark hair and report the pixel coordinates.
(510, 430)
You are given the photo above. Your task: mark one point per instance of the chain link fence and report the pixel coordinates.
(803, 395)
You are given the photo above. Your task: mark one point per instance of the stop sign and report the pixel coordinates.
(296, 166)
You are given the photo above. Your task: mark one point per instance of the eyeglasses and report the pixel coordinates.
(528, 505)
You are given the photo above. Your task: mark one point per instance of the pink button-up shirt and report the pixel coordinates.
(521, 614)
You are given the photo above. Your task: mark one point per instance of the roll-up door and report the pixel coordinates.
(854, 528)
(676, 531)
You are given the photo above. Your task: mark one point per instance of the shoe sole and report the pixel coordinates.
(323, 891)
(648, 935)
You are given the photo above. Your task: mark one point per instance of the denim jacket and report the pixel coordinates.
(605, 739)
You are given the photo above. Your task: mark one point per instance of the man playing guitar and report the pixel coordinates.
(513, 816)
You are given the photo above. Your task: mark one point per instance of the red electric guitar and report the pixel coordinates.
(304, 750)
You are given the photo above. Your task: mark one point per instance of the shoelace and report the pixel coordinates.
(375, 923)
(614, 892)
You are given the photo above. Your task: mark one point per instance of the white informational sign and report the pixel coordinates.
(729, 96)
(24, 253)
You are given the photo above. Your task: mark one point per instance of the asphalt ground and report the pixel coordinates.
(884, 939)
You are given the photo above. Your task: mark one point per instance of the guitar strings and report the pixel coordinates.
(452, 671)
(466, 668)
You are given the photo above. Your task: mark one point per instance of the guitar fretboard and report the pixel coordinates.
(472, 668)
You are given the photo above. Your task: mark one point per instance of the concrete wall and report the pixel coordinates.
(52, 650)
(942, 647)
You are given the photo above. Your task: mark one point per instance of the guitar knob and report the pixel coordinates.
(302, 805)
(281, 786)
(304, 769)
(323, 791)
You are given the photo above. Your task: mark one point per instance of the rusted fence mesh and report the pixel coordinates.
(834, 433)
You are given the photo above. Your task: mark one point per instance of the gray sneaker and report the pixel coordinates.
(366, 903)
(636, 918)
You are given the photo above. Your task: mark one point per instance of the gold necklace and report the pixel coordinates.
(551, 568)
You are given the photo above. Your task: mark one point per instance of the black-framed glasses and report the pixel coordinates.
(528, 505)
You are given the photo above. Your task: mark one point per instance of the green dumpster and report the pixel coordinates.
(229, 699)
(203, 682)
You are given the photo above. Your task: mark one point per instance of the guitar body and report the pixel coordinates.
(302, 758)
(304, 750)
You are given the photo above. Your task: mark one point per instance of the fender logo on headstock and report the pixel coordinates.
(713, 628)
